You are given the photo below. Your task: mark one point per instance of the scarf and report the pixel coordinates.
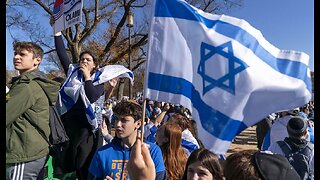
(73, 88)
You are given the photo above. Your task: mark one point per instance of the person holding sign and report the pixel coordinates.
(81, 127)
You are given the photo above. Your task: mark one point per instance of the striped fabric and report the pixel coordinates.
(57, 9)
(222, 69)
(73, 88)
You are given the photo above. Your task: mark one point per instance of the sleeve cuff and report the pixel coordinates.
(57, 34)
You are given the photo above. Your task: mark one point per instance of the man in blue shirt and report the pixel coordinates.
(111, 160)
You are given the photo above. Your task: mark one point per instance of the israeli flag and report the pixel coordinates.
(188, 141)
(150, 131)
(73, 88)
(222, 69)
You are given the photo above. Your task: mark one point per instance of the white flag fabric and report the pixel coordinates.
(222, 69)
(73, 88)
(66, 13)
(189, 142)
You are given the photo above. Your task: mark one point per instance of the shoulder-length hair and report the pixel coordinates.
(207, 159)
(174, 156)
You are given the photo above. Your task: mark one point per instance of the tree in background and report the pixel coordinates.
(103, 28)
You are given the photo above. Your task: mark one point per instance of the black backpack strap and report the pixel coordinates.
(307, 150)
(286, 149)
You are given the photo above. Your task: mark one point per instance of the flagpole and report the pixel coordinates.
(144, 84)
(143, 117)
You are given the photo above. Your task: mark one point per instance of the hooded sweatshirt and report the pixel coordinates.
(111, 160)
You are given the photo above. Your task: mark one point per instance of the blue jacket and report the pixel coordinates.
(112, 160)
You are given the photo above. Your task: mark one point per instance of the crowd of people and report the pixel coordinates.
(168, 149)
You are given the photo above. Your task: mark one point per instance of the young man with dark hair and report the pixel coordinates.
(27, 113)
(278, 130)
(110, 161)
(297, 145)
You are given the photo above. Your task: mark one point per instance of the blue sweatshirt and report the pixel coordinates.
(112, 160)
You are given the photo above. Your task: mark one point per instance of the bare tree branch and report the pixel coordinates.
(50, 51)
(138, 65)
(141, 42)
(112, 42)
(96, 21)
(115, 34)
(45, 7)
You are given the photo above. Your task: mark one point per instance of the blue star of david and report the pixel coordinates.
(225, 50)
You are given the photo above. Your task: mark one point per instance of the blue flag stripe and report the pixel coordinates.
(189, 145)
(90, 112)
(56, 10)
(68, 101)
(130, 75)
(181, 10)
(213, 121)
(97, 76)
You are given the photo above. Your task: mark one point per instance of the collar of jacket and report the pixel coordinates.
(27, 76)
(296, 144)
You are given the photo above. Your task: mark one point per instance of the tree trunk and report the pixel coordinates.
(120, 89)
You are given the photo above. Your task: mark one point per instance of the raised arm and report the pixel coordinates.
(61, 51)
